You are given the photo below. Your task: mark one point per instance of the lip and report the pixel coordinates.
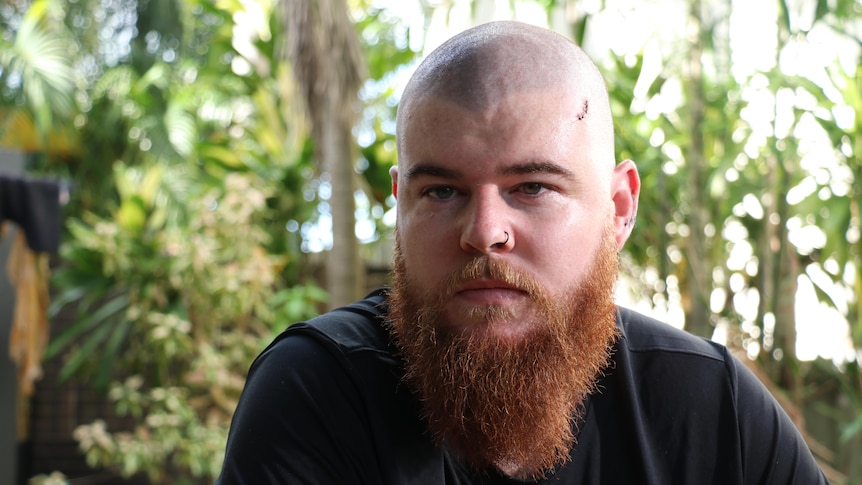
(488, 291)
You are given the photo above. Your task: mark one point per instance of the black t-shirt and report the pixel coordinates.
(325, 404)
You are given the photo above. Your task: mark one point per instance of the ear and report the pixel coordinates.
(625, 190)
(393, 172)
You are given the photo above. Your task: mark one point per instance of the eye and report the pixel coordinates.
(441, 192)
(532, 188)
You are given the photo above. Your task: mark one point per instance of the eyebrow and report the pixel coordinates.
(539, 166)
(530, 167)
(431, 170)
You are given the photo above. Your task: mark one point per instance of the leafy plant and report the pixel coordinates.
(37, 82)
(188, 307)
(175, 260)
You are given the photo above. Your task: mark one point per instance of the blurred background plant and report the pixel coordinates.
(201, 206)
(186, 307)
(183, 154)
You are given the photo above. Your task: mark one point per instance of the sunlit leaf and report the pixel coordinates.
(222, 155)
(181, 130)
(132, 214)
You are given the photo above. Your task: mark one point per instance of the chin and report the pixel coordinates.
(494, 322)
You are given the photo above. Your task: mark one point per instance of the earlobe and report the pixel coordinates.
(625, 190)
(393, 172)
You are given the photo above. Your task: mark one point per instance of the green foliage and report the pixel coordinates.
(386, 50)
(752, 173)
(194, 304)
(192, 159)
(384, 41)
(185, 169)
(36, 77)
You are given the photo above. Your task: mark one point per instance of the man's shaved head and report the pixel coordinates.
(483, 65)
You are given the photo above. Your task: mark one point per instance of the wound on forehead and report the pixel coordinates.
(581, 115)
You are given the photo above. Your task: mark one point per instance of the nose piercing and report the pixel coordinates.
(506, 241)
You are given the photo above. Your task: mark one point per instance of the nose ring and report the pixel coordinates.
(506, 241)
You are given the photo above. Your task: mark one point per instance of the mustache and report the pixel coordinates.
(484, 267)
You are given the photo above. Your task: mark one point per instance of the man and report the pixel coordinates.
(498, 355)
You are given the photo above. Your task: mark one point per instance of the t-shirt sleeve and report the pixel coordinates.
(298, 420)
(773, 449)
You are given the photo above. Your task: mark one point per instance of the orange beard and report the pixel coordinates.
(492, 401)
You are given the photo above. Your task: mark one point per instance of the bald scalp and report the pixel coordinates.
(480, 67)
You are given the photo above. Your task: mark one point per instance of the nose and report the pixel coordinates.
(485, 228)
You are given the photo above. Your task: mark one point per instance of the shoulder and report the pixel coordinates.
(346, 350)
(667, 366)
(310, 403)
(674, 361)
(643, 334)
(355, 328)
(690, 389)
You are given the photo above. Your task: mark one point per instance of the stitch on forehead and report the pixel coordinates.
(586, 109)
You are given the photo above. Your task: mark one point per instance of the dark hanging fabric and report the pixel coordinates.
(34, 205)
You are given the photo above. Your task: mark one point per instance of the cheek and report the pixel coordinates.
(563, 251)
(426, 244)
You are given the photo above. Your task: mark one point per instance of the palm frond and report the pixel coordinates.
(35, 68)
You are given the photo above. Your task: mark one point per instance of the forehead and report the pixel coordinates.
(523, 129)
(537, 114)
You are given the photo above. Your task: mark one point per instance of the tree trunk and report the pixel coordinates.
(324, 50)
(697, 315)
(780, 267)
(344, 273)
